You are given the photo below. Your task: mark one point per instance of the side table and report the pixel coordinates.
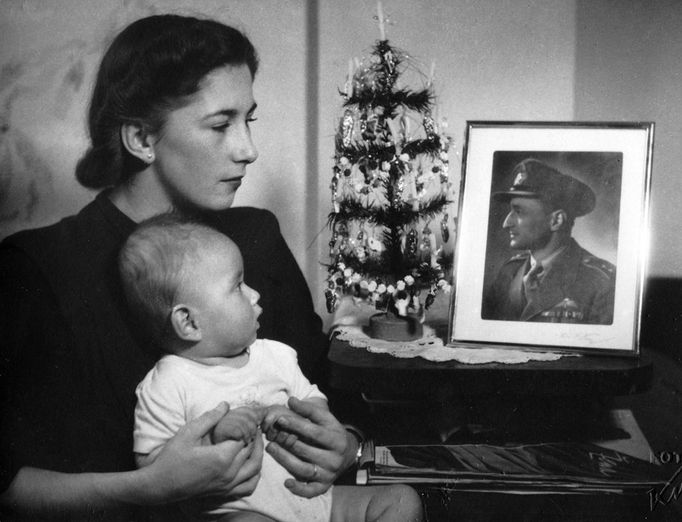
(357, 369)
(419, 401)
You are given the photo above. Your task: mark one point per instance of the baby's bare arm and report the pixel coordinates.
(239, 424)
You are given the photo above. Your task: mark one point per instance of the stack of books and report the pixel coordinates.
(618, 467)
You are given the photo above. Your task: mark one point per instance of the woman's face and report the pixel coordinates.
(201, 153)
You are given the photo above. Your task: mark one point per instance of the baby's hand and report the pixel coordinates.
(272, 413)
(238, 424)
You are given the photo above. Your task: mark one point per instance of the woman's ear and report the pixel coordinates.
(137, 141)
(184, 323)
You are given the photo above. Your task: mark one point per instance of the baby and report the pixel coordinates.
(185, 281)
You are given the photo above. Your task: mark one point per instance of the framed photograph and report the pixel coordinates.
(553, 236)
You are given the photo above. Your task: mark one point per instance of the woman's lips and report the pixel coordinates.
(233, 181)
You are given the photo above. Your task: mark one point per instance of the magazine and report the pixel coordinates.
(555, 467)
(558, 467)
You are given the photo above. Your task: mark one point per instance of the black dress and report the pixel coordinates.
(71, 355)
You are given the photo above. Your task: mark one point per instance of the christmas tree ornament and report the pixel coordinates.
(398, 189)
(402, 301)
(375, 245)
(429, 127)
(444, 230)
(390, 181)
(430, 298)
(347, 127)
(405, 126)
(332, 245)
(335, 191)
(411, 244)
(426, 243)
(349, 81)
(331, 299)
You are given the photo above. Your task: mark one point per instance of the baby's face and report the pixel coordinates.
(225, 308)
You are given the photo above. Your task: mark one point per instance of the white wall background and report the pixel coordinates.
(495, 59)
(629, 68)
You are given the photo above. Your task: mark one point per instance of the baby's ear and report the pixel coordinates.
(184, 323)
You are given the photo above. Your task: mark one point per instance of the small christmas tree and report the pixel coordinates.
(390, 190)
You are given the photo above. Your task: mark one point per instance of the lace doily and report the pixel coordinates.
(431, 347)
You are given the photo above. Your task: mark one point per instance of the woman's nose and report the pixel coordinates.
(244, 149)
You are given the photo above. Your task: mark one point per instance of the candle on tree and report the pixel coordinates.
(380, 15)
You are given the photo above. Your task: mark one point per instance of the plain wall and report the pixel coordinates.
(629, 68)
(494, 60)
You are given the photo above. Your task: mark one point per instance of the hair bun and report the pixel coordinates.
(94, 170)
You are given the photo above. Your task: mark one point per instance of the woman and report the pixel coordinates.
(169, 124)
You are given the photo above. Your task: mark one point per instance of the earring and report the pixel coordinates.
(150, 156)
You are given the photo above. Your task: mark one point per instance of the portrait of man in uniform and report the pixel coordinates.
(545, 274)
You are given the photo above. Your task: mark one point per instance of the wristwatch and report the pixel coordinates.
(360, 437)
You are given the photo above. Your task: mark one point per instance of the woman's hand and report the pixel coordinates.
(312, 445)
(187, 468)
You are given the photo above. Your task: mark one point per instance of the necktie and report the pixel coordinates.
(531, 280)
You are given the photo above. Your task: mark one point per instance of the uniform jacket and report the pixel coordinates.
(578, 288)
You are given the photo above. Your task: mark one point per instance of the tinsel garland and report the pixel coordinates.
(419, 101)
(388, 217)
(356, 152)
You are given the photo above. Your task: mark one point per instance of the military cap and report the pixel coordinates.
(535, 179)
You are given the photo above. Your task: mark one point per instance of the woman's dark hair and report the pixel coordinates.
(149, 69)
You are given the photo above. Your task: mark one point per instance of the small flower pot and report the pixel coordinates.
(392, 327)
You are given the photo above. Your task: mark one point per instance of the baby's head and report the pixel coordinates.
(185, 282)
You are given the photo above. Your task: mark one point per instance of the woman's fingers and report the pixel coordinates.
(305, 452)
(241, 473)
(232, 454)
(318, 416)
(312, 436)
(312, 465)
(275, 433)
(306, 489)
(318, 435)
(309, 479)
(247, 465)
(200, 426)
(292, 463)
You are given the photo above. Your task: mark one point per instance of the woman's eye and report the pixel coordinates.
(221, 127)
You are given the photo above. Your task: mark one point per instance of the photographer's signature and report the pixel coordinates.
(671, 490)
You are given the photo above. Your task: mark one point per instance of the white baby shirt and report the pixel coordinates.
(178, 390)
